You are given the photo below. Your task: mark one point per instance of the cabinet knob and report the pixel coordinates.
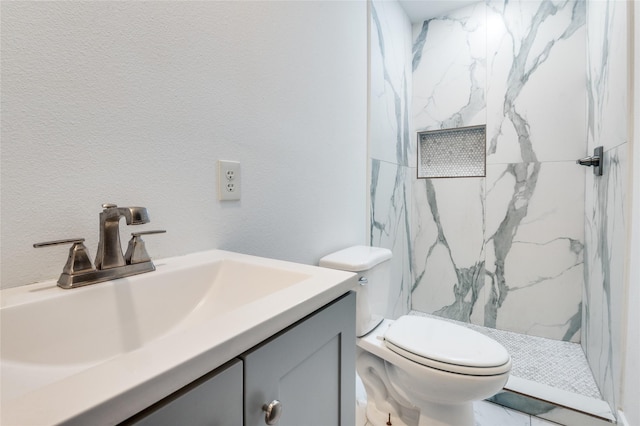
(272, 412)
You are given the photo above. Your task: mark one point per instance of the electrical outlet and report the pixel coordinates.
(228, 180)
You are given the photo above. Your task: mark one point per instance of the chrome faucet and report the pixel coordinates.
(110, 262)
(109, 253)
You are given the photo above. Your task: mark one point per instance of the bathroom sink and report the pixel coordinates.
(95, 323)
(171, 326)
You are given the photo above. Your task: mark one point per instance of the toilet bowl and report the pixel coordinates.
(416, 370)
(436, 387)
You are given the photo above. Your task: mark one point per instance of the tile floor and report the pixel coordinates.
(489, 414)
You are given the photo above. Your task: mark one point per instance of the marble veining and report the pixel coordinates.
(526, 61)
(449, 84)
(604, 277)
(517, 249)
(605, 222)
(520, 236)
(468, 278)
(392, 149)
(526, 177)
(388, 219)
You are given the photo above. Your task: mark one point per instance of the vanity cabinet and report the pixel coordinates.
(308, 367)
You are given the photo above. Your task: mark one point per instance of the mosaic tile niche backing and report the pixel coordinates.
(452, 153)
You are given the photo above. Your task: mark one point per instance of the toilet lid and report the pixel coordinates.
(424, 340)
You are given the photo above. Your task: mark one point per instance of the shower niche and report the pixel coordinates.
(450, 153)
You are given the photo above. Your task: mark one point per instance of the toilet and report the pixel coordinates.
(416, 371)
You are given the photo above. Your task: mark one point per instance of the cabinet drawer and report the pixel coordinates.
(213, 400)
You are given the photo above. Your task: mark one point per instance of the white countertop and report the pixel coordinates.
(112, 390)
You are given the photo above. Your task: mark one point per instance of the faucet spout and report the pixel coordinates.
(109, 253)
(134, 215)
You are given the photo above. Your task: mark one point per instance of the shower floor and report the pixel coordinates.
(561, 365)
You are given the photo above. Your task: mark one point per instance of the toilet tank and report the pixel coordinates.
(372, 264)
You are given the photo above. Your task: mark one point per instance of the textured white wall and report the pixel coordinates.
(133, 103)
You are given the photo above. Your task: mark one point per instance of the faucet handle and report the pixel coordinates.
(78, 260)
(58, 242)
(136, 251)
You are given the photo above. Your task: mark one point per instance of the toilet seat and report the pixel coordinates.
(446, 346)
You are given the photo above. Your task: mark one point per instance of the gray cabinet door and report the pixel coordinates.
(213, 400)
(309, 368)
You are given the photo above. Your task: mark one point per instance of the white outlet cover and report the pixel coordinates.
(228, 180)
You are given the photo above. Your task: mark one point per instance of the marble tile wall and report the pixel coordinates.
(506, 250)
(537, 246)
(605, 222)
(391, 145)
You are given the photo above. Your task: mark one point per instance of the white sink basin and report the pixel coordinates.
(101, 342)
(92, 324)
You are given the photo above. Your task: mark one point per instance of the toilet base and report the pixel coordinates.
(377, 417)
(429, 415)
(382, 400)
